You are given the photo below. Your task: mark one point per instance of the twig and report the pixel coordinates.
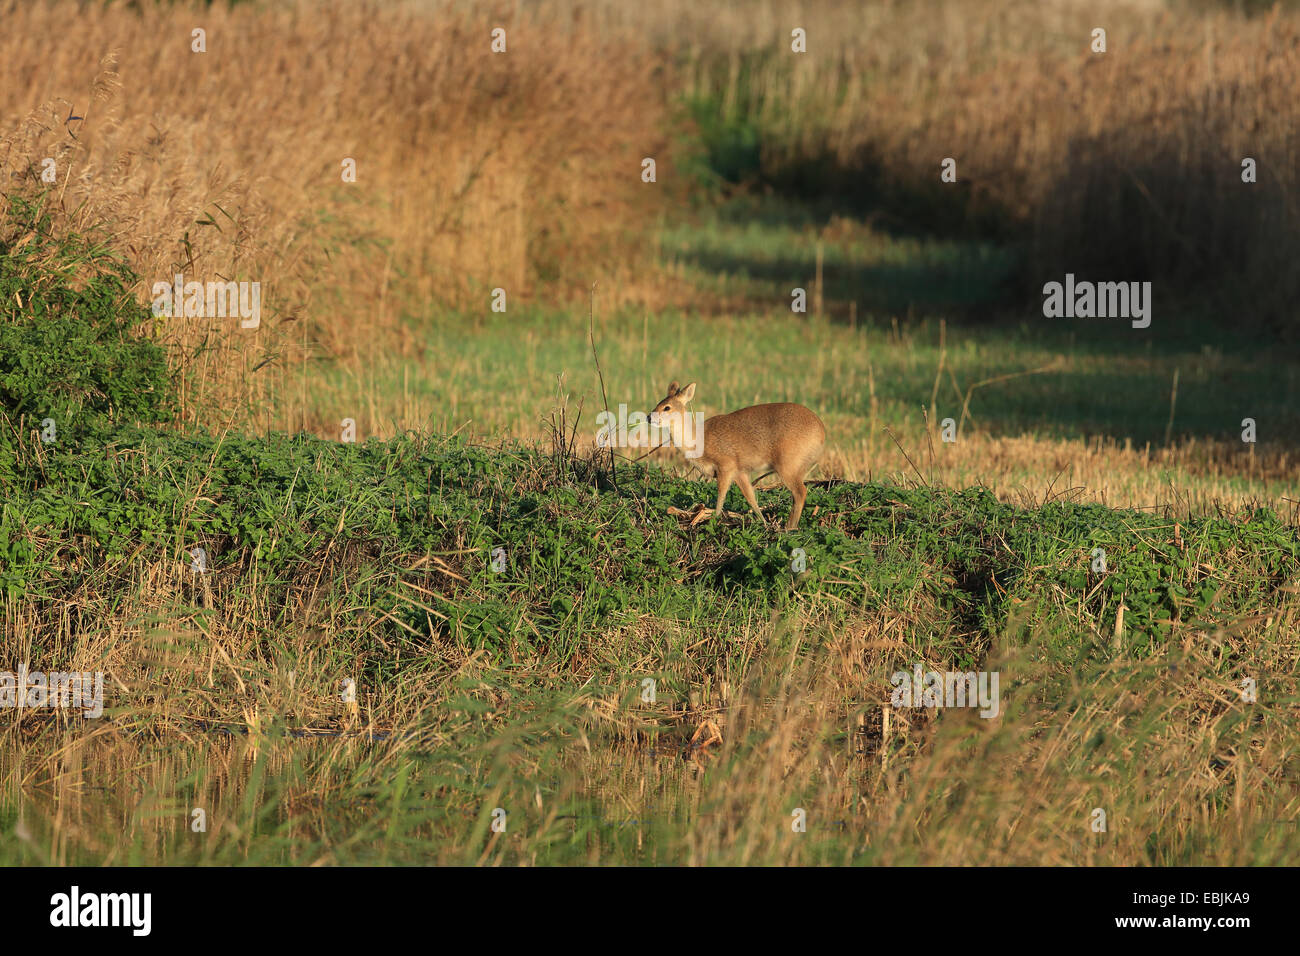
(591, 334)
(1173, 399)
(943, 352)
(965, 405)
(908, 457)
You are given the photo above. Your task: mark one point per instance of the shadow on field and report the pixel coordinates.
(1136, 202)
(1129, 403)
(895, 199)
(967, 282)
(1107, 378)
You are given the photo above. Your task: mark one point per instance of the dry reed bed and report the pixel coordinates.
(474, 170)
(477, 170)
(1125, 164)
(1186, 771)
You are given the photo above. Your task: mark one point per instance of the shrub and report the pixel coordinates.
(69, 343)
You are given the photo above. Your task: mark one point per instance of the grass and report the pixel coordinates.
(1092, 420)
(481, 689)
(538, 639)
(504, 198)
(521, 690)
(508, 201)
(1147, 186)
(747, 253)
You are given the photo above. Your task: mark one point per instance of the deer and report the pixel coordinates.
(780, 437)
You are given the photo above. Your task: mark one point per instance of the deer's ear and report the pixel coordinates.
(673, 390)
(687, 393)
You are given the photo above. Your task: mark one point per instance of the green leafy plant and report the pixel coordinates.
(69, 323)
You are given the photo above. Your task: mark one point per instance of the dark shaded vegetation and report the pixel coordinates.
(1157, 196)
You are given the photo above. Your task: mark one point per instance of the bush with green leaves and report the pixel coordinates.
(70, 348)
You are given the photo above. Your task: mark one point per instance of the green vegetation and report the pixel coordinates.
(480, 671)
(391, 543)
(69, 349)
(585, 555)
(533, 628)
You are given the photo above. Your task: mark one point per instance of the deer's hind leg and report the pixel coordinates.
(792, 478)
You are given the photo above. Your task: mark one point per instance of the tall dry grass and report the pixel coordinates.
(520, 171)
(475, 170)
(1184, 769)
(1125, 164)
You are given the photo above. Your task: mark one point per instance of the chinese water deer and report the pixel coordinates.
(782, 437)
